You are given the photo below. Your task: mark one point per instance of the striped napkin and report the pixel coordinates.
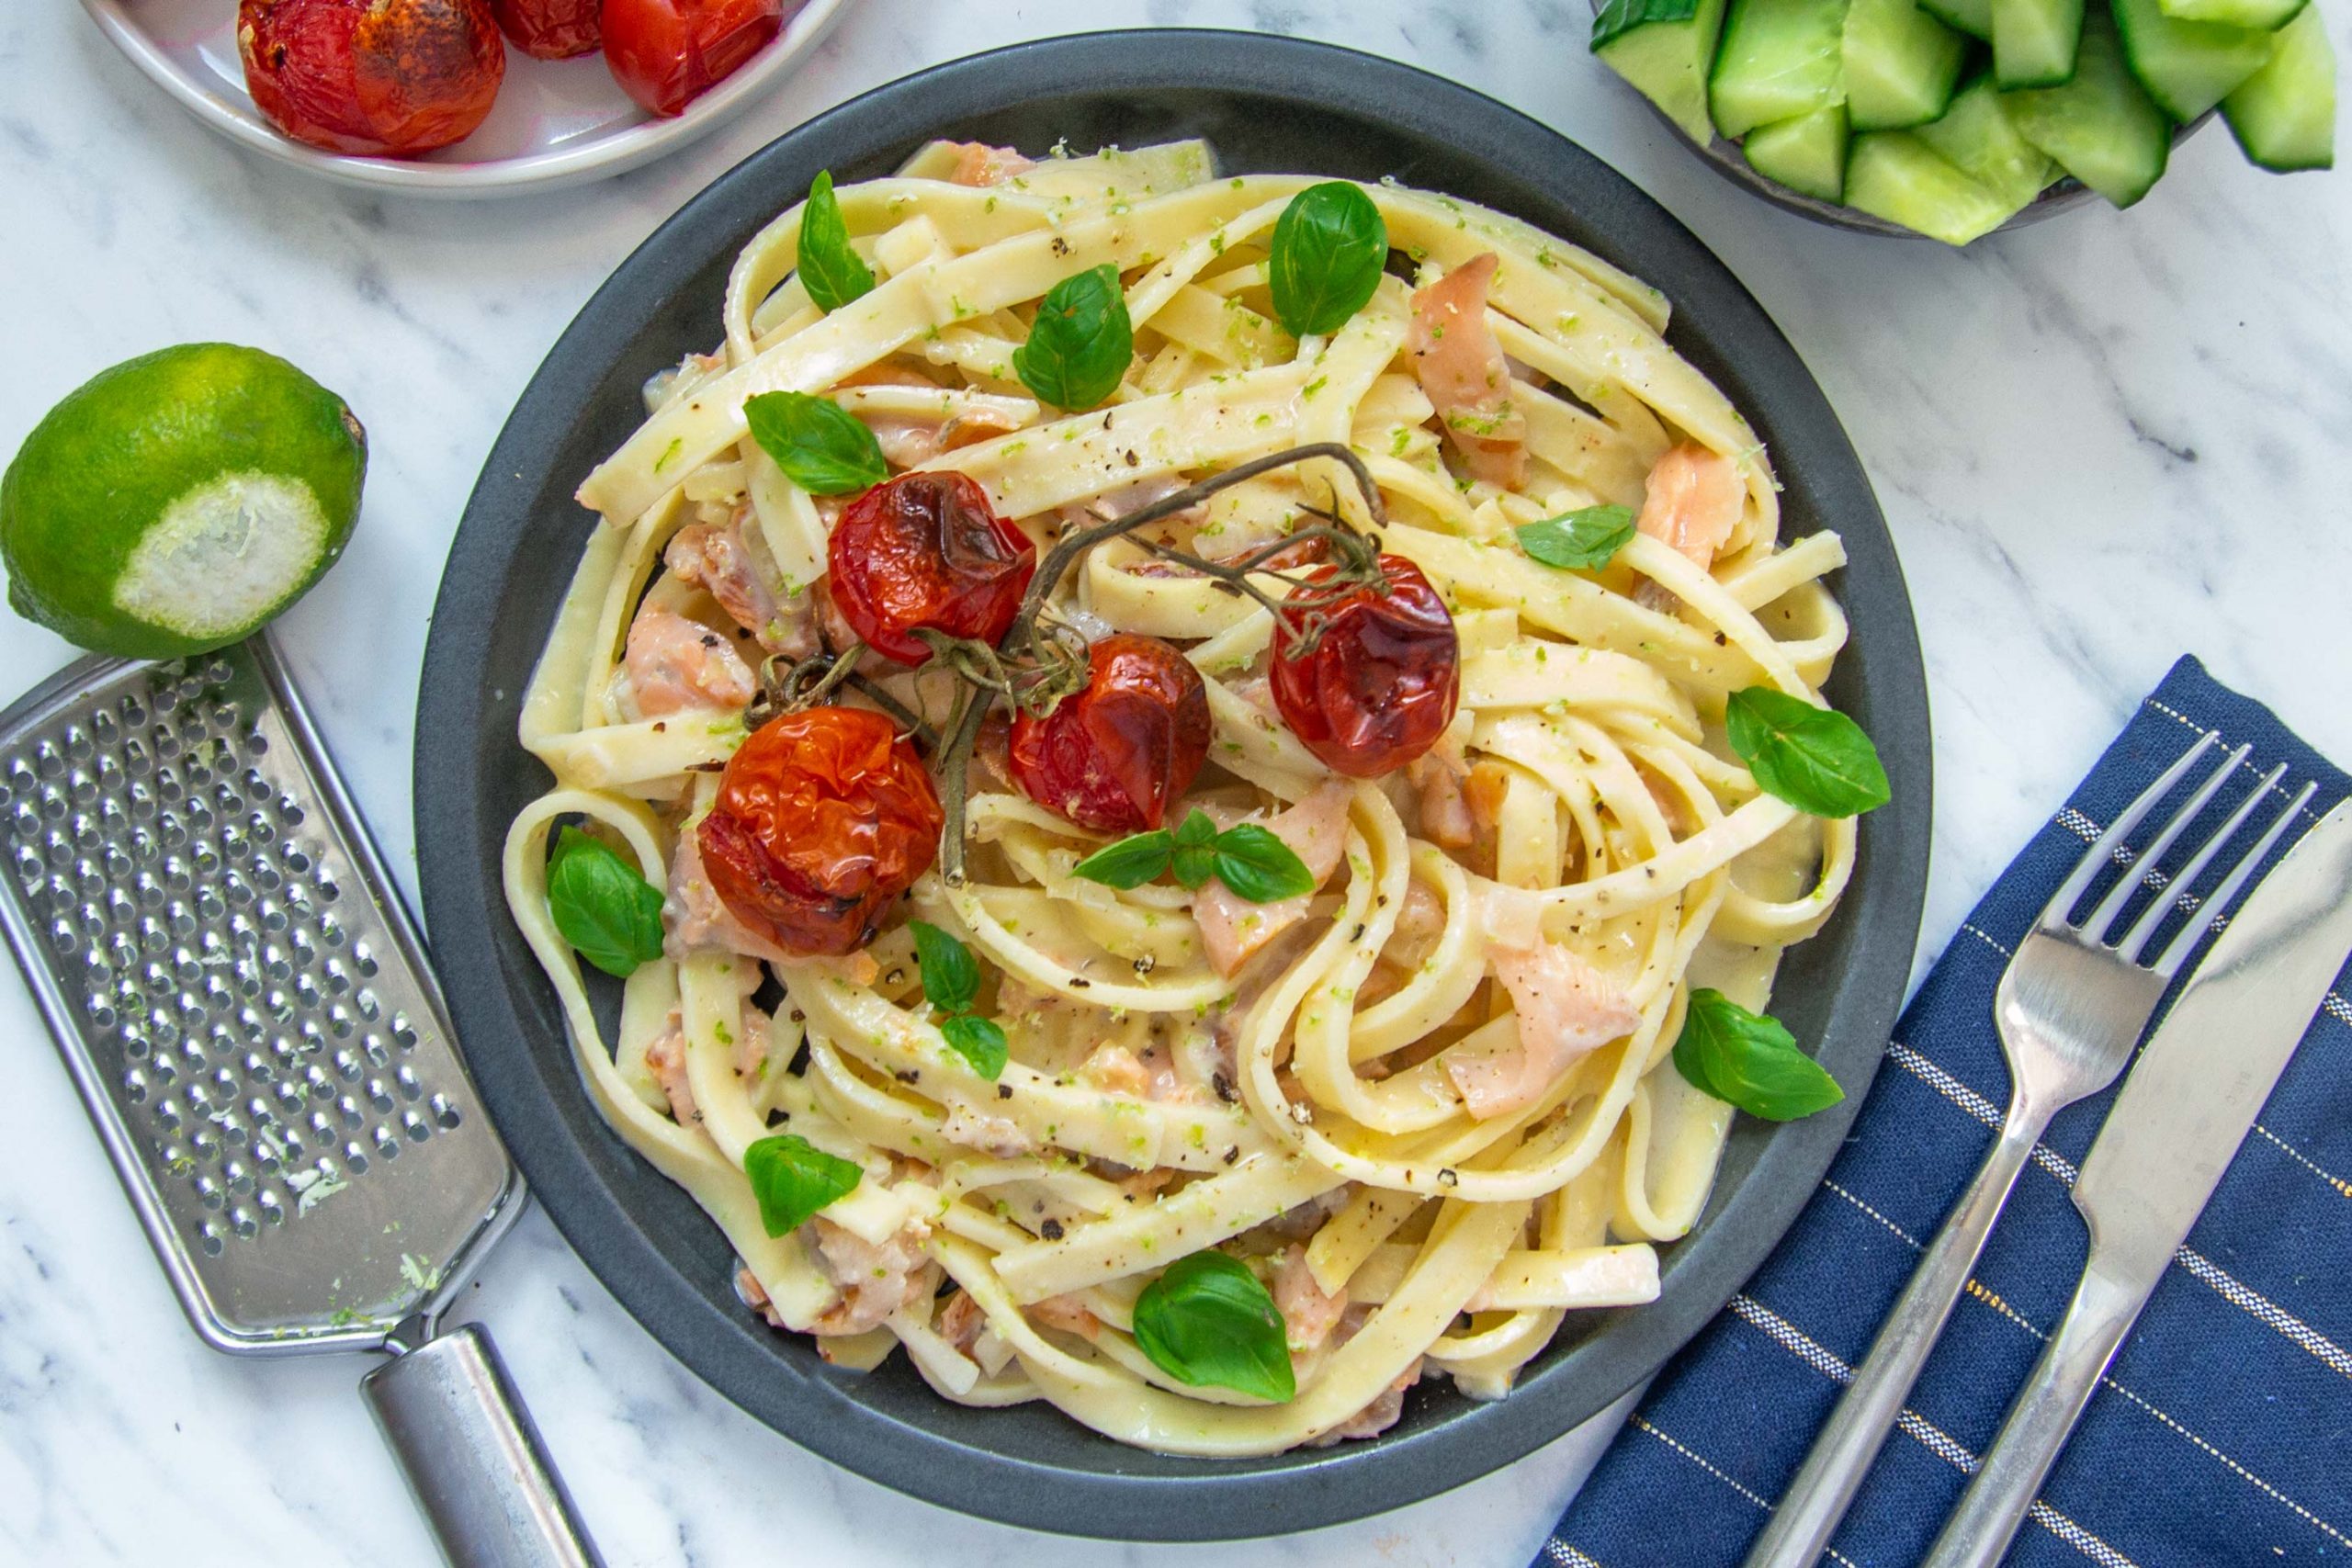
(2223, 1434)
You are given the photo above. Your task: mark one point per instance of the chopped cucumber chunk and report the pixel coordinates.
(1977, 137)
(1780, 58)
(1663, 48)
(2268, 16)
(2187, 67)
(2034, 41)
(2284, 115)
(1807, 154)
(1901, 64)
(1974, 17)
(2100, 127)
(1893, 175)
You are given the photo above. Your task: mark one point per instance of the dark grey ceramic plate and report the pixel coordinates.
(1268, 103)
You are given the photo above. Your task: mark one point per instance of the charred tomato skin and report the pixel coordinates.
(552, 29)
(1382, 685)
(372, 78)
(823, 818)
(666, 54)
(925, 549)
(1115, 755)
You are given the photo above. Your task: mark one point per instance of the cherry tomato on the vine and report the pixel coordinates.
(372, 76)
(666, 54)
(552, 29)
(822, 818)
(1382, 685)
(924, 550)
(1113, 756)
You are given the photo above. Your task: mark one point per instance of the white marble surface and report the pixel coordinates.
(2099, 443)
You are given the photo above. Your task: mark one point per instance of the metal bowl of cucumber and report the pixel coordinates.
(1953, 118)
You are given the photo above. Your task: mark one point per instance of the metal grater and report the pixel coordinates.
(247, 1011)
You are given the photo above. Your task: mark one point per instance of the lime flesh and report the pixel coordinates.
(179, 500)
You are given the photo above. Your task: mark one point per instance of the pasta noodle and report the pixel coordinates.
(1434, 1113)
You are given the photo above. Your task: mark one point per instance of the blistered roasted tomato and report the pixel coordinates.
(552, 29)
(822, 818)
(372, 76)
(1114, 755)
(1381, 687)
(925, 550)
(666, 54)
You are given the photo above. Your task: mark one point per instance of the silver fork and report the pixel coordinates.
(2069, 1008)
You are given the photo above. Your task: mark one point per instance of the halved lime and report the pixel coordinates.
(177, 502)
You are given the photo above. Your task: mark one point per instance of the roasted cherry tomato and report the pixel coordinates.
(822, 818)
(552, 29)
(1114, 755)
(666, 54)
(925, 550)
(1381, 686)
(372, 76)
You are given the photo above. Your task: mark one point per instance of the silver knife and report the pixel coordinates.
(2201, 1080)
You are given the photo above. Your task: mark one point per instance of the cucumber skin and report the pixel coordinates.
(2303, 51)
(2053, 120)
(1789, 154)
(2032, 58)
(1893, 175)
(1899, 29)
(2186, 67)
(1749, 23)
(1974, 17)
(1680, 94)
(2263, 15)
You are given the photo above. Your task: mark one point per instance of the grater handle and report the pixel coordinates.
(473, 1459)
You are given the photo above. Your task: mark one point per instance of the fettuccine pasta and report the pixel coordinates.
(1429, 1106)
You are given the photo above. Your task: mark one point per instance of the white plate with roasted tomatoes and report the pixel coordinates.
(549, 122)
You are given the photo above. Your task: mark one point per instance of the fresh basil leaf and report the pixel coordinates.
(1208, 1321)
(793, 1178)
(1623, 16)
(1195, 864)
(1259, 866)
(1195, 830)
(1081, 343)
(832, 272)
(980, 1042)
(819, 444)
(1749, 1060)
(951, 977)
(603, 904)
(1329, 246)
(1585, 539)
(1815, 758)
(1130, 862)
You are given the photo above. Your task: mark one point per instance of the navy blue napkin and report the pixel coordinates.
(2223, 1433)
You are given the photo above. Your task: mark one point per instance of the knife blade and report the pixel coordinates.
(2203, 1075)
(2199, 1083)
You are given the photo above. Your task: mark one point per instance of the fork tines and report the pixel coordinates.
(2173, 890)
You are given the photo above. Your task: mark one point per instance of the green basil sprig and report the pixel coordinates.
(1585, 539)
(1081, 343)
(950, 982)
(1328, 248)
(1815, 758)
(1749, 1060)
(1623, 16)
(603, 904)
(819, 444)
(1246, 857)
(793, 1178)
(832, 272)
(1208, 1321)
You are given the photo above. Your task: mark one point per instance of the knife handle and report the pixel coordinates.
(1811, 1508)
(2009, 1476)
